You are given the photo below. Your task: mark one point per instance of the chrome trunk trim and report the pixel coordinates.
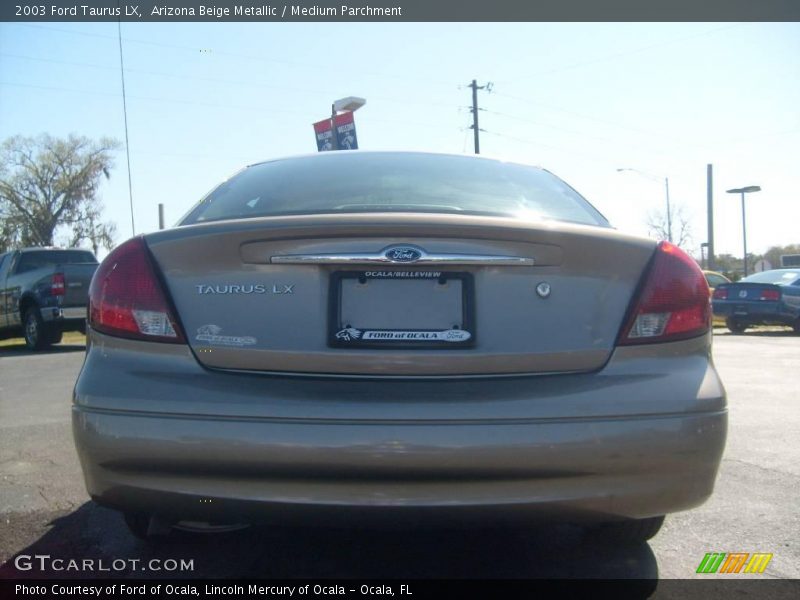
(381, 259)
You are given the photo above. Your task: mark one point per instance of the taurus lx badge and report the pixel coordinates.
(254, 288)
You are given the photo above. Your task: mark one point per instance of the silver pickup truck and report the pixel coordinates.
(44, 292)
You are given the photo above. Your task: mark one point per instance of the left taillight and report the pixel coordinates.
(126, 298)
(58, 285)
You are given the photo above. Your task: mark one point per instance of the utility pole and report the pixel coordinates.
(475, 129)
(710, 208)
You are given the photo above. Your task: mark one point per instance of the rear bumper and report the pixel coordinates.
(157, 433)
(765, 313)
(233, 470)
(71, 317)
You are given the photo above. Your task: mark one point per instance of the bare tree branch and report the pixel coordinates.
(658, 226)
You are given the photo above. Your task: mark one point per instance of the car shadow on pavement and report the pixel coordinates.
(773, 334)
(542, 551)
(22, 350)
(757, 333)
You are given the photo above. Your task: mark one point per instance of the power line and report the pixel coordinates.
(534, 143)
(541, 124)
(673, 140)
(574, 113)
(623, 54)
(387, 99)
(322, 67)
(259, 109)
(151, 98)
(582, 134)
(125, 114)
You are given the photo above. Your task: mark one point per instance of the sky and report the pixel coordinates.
(580, 99)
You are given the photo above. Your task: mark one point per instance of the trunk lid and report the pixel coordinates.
(468, 295)
(77, 277)
(744, 292)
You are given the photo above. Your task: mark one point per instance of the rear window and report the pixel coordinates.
(30, 261)
(777, 277)
(715, 280)
(349, 182)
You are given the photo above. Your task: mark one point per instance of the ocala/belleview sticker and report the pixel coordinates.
(210, 334)
(349, 334)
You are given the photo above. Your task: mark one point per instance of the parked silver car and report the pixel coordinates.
(400, 334)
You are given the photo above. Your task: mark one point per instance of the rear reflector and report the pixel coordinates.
(126, 298)
(673, 303)
(770, 295)
(57, 285)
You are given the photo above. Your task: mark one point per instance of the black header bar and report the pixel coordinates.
(344, 11)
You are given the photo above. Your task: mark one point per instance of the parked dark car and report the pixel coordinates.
(766, 298)
(44, 292)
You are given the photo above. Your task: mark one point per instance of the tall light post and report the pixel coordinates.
(349, 104)
(666, 189)
(744, 190)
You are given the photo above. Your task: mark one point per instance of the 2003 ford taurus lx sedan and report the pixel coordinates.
(398, 334)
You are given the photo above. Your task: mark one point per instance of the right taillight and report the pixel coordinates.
(672, 304)
(126, 298)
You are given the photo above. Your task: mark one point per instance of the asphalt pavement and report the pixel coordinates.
(44, 508)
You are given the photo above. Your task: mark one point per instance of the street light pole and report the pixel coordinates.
(745, 190)
(669, 211)
(666, 189)
(334, 139)
(744, 235)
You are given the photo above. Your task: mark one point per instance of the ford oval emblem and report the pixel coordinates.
(403, 254)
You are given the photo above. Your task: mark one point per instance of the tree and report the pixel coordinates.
(47, 183)
(730, 266)
(773, 255)
(677, 226)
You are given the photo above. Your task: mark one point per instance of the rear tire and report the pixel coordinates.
(796, 326)
(36, 334)
(55, 335)
(629, 533)
(735, 325)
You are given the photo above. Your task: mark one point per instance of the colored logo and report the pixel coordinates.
(350, 334)
(403, 254)
(734, 562)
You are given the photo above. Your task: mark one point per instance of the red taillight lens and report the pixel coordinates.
(720, 294)
(770, 295)
(674, 302)
(57, 285)
(126, 298)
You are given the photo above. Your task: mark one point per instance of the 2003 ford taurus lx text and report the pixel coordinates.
(398, 334)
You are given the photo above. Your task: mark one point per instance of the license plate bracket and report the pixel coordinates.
(401, 308)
